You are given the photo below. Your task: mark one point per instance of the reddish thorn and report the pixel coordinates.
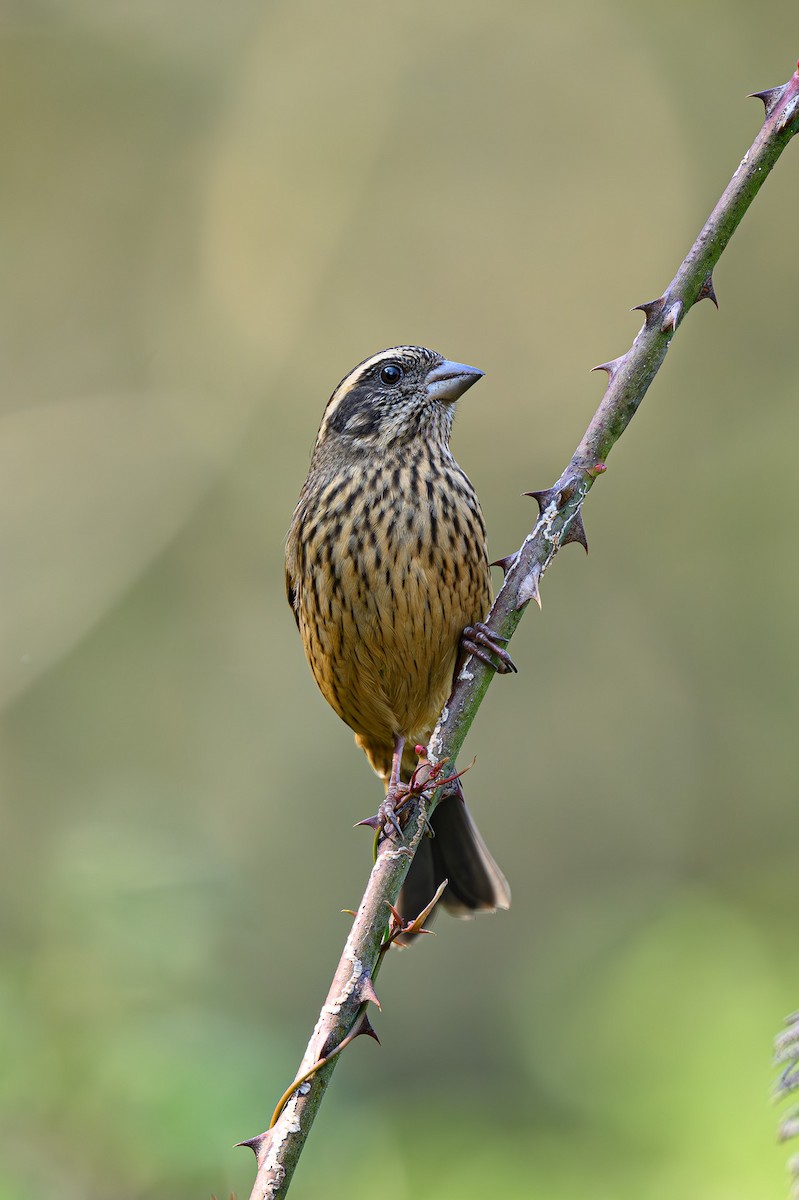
(364, 1026)
(543, 498)
(707, 291)
(651, 308)
(576, 532)
(254, 1143)
(770, 98)
(506, 563)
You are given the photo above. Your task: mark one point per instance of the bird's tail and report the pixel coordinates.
(457, 853)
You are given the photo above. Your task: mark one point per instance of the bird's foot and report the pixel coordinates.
(426, 777)
(478, 638)
(389, 810)
(386, 818)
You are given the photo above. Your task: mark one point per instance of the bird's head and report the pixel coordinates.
(392, 398)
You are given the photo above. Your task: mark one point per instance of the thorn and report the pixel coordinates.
(372, 822)
(770, 97)
(255, 1144)
(424, 775)
(350, 912)
(529, 588)
(417, 926)
(672, 317)
(362, 1028)
(403, 930)
(611, 367)
(302, 1083)
(707, 291)
(366, 990)
(543, 498)
(576, 532)
(506, 563)
(651, 309)
(456, 790)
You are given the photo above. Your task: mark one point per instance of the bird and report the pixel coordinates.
(388, 577)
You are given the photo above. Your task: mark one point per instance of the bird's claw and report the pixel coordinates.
(387, 815)
(385, 819)
(427, 777)
(478, 638)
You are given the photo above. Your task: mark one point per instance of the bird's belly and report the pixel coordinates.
(383, 640)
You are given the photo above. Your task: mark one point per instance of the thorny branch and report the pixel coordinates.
(343, 1015)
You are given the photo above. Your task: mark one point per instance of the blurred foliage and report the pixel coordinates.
(209, 214)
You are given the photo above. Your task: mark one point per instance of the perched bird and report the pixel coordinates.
(388, 577)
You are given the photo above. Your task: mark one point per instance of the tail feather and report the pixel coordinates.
(457, 853)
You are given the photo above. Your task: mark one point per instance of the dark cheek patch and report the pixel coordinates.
(357, 413)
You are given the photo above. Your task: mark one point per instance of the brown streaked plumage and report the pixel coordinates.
(386, 565)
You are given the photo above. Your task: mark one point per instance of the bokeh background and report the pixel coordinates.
(209, 214)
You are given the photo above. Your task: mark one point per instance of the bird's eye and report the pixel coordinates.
(391, 374)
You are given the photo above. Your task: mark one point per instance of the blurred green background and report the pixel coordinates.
(210, 213)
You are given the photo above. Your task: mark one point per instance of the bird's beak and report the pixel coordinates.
(449, 380)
